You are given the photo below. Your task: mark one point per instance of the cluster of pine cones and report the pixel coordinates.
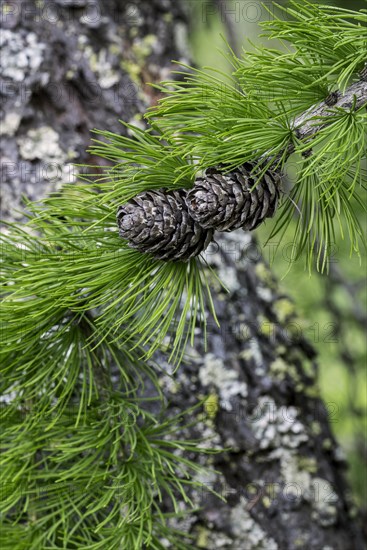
(179, 224)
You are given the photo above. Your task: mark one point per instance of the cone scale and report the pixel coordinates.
(180, 224)
(159, 223)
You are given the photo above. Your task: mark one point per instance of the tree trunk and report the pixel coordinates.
(284, 474)
(70, 66)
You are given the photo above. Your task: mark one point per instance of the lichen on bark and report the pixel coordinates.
(282, 476)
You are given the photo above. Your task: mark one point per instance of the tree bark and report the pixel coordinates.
(72, 65)
(284, 474)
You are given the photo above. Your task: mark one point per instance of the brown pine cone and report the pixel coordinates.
(224, 201)
(158, 222)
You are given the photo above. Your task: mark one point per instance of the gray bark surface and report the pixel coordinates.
(70, 66)
(284, 475)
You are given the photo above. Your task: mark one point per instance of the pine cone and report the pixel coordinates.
(158, 222)
(224, 201)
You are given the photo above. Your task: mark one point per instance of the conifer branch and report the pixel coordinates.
(82, 312)
(171, 225)
(306, 101)
(354, 98)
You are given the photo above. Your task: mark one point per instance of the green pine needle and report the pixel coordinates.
(84, 464)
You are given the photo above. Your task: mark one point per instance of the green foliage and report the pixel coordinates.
(84, 462)
(250, 115)
(138, 298)
(98, 483)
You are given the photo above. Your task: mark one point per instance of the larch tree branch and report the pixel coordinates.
(282, 472)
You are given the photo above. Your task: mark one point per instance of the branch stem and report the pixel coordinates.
(354, 98)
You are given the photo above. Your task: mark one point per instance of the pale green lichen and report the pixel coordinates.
(264, 274)
(257, 356)
(214, 373)
(141, 49)
(284, 309)
(297, 481)
(168, 17)
(211, 405)
(245, 354)
(210, 438)
(43, 144)
(169, 385)
(21, 55)
(133, 32)
(307, 463)
(10, 124)
(277, 427)
(266, 327)
(202, 538)
(247, 532)
(315, 428)
(40, 143)
(115, 49)
(6, 9)
(265, 293)
(279, 368)
(296, 472)
(300, 541)
(144, 47)
(210, 539)
(324, 502)
(102, 68)
(327, 444)
(228, 277)
(132, 68)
